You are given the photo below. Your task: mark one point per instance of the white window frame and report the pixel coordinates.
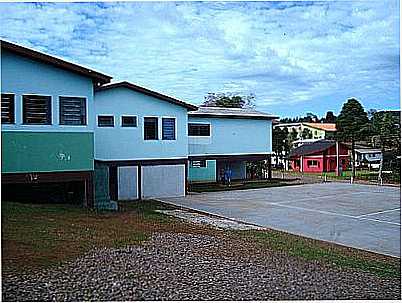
(86, 112)
(175, 128)
(114, 120)
(159, 129)
(52, 108)
(313, 165)
(202, 123)
(15, 109)
(129, 127)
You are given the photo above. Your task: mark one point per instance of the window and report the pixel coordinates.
(198, 163)
(150, 128)
(105, 121)
(168, 129)
(129, 121)
(312, 163)
(195, 129)
(73, 111)
(7, 109)
(36, 109)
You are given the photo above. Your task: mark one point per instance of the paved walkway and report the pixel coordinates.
(361, 216)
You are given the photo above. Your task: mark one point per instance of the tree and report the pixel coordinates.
(352, 125)
(306, 134)
(330, 117)
(280, 143)
(386, 131)
(370, 113)
(311, 118)
(293, 135)
(229, 100)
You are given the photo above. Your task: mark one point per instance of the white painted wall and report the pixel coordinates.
(163, 181)
(127, 182)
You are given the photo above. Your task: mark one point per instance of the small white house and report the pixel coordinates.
(368, 156)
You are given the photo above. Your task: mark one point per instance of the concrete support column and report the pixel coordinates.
(89, 190)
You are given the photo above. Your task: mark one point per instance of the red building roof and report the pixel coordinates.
(311, 148)
(328, 127)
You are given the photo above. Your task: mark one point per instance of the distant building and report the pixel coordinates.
(366, 156)
(318, 130)
(319, 157)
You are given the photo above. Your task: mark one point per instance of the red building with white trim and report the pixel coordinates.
(319, 156)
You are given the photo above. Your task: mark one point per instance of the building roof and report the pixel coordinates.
(329, 127)
(288, 124)
(224, 112)
(368, 150)
(41, 57)
(311, 148)
(148, 92)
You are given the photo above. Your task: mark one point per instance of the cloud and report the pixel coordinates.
(299, 53)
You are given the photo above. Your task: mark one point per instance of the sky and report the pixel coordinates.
(295, 57)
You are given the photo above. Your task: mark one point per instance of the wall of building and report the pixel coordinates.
(299, 127)
(326, 160)
(28, 148)
(127, 182)
(127, 143)
(46, 152)
(203, 174)
(20, 75)
(159, 181)
(232, 136)
(317, 133)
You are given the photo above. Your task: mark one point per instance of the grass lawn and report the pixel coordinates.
(214, 186)
(42, 235)
(360, 174)
(329, 253)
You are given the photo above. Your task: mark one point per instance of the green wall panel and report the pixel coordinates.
(46, 151)
(203, 173)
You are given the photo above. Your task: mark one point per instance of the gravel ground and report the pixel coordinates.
(194, 267)
(217, 222)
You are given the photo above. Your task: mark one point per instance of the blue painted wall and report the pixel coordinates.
(45, 148)
(206, 174)
(20, 75)
(127, 143)
(232, 136)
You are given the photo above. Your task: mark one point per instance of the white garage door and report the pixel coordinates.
(163, 181)
(127, 182)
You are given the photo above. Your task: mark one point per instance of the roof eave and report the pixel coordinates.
(231, 116)
(38, 56)
(147, 92)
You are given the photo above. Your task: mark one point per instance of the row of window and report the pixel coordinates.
(108, 121)
(150, 126)
(37, 110)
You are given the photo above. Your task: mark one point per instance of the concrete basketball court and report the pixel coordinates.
(361, 216)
